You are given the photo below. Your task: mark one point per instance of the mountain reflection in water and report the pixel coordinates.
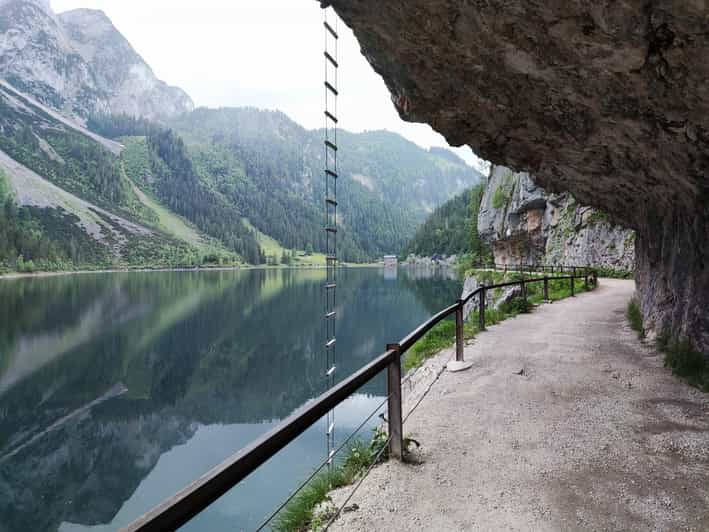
(117, 390)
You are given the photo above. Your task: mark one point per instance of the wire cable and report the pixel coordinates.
(428, 389)
(321, 466)
(384, 447)
(359, 483)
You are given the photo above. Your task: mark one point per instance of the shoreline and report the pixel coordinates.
(21, 275)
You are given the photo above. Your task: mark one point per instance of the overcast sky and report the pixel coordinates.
(263, 53)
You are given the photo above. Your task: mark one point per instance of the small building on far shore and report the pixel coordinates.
(390, 261)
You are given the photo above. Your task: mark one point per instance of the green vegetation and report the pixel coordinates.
(137, 165)
(443, 334)
(235, 164)
(599, 217)
(262, 166)
(685, 361)
(635, 318)
(298, 515)
(452, 229)
(68, 159)
(278, 255)
(499, 198)
(271, 169)
(33, 239)
(680, 355)
(503, 193)
(614, 273)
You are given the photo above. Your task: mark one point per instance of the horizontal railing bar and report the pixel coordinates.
(472, 294)
(520, 282)
(180, 508)
(408, 341)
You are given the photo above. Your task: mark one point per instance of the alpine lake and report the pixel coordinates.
(119, 389)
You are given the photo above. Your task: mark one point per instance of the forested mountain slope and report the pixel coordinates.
(452, 229)
(271, 168)
(237, 165)
(65, 200)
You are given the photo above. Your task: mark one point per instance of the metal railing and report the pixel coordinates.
(531, 268)
(195, 498)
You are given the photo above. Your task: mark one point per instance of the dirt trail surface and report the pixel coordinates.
(594, 434)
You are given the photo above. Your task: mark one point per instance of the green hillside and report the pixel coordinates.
(452, 229)
(271, 168)
(67, 202)
(213, 186)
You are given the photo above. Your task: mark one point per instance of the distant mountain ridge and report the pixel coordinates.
(387, 185)
(79, 63)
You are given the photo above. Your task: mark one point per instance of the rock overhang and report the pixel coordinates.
(608, 100)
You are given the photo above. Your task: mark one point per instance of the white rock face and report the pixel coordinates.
(79, 63)
(527, 225)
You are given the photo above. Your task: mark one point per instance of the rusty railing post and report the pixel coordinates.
(481, 311)
(572, 286)
(585, 281)
(459, 364)
(394, 416)
(459, 340)
(524, 291)
(546, 289)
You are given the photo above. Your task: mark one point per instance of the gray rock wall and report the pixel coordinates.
(527, 225)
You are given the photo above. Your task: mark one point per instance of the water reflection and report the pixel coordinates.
(117, 390)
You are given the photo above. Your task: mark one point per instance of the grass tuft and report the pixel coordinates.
(685, 361)
(635, 318)
(299, 514)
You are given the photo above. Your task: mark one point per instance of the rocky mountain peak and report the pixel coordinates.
(79, 63)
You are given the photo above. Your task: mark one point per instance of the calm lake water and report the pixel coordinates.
(117, 390)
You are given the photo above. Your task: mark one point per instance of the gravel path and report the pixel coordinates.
(593, 435)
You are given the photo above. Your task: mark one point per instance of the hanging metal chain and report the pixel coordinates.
(331, 93)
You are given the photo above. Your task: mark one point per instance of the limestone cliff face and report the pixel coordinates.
(607, 100)
(527, 225)
(78, 63)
